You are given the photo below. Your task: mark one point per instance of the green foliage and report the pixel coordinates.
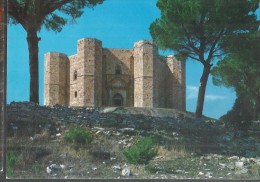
(78, 136)
(240, 70)
(53, 14)
(240, 116)
(196, 29)
(10, 162)
(142, 152)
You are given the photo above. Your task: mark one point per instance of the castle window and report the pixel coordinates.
(76, 94)
(118, 100)
(132, 58)
(118, 70)
(75, 76)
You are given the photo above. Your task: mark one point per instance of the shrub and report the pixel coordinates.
(240, 116)
(142, 152)
(10, 162)
(78, 136)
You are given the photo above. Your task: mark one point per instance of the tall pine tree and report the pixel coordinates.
(195, 29)
(240, 71)
(54, 15)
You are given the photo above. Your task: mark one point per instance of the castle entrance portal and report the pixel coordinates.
(118, 100)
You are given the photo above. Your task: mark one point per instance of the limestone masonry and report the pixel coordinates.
(98, 76)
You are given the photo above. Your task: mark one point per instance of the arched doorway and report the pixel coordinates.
(118, 100)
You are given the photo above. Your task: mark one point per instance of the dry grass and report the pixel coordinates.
(172, 152)
(173, 155)
(80, 156)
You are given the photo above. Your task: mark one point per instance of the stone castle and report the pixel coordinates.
(98, 76)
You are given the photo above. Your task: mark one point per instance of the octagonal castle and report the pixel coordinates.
(98, 76)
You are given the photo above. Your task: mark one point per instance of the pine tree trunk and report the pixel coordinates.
(202, 90)
(33, 40)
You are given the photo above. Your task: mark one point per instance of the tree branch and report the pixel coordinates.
(26, 6)
(189, 50)
(15, 10)
(190, 42)
(52, 6)
(202, 37)
(211, 52)
(192, 57)
(217, 55)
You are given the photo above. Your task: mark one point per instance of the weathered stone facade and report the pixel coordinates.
(98, 76)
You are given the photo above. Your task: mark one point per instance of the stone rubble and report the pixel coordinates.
(54, 168)
(22, 114)
(117, 167)
(236, 152)
(126, 172)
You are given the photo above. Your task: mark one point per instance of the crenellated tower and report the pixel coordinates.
(176, 90)
(86, 74)
(143, 73)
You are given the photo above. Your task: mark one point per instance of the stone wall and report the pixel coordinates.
(73, 86)
(169, 83)
(143, 74)
(122, 82)
(56, 79)
(160, 86)
(177, 83)
(30, 118)
(89, 82)
(118, 57)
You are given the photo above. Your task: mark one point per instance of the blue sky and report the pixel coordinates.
(118, 24)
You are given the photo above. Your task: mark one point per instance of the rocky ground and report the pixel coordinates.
(186, 148)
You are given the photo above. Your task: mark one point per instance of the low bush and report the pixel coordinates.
(141, 152)
(240, 116)
(78, 136)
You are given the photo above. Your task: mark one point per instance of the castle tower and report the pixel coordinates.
(56, 79)
(143, 73)
(86, 74)
(176, 90)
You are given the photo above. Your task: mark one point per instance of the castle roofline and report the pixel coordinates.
(56, 54)
(72, 55)
(89, 38)
(143, 42)
(127, 49)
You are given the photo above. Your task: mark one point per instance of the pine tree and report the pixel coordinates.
(52, 14)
